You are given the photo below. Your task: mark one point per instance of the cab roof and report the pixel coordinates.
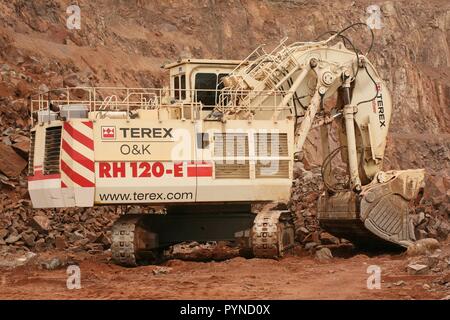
(201, 61)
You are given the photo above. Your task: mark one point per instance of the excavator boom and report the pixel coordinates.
(372, 207)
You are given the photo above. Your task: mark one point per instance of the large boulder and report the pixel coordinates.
(11, 164)
(423, 246)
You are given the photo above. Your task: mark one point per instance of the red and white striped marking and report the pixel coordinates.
(77, 155)
(39, 175)
(75, 184)
(199, 169)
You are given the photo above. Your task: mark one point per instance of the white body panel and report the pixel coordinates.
(98, 165)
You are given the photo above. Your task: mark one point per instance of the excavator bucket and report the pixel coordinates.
(379, 216)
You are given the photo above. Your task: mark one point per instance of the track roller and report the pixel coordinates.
(132, 244)
(272, 234)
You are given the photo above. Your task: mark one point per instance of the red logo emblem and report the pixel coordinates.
(108, 132)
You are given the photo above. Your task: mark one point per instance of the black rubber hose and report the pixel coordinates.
(361, 24)
(376, 88)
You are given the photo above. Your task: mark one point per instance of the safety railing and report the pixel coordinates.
(268, 74)
(99, 98)
(113, 99)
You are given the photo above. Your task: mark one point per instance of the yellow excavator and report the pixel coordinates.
(217, 145)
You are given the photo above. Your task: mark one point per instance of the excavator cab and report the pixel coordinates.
(199, 80)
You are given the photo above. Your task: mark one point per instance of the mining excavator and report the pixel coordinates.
(212, 154)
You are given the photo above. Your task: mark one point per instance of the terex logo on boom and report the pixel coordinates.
(380, 106)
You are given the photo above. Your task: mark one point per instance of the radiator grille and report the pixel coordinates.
(52, 150)
(234, 170)
(230, 145)
(271, 144)
(31, 154)
(272, 169)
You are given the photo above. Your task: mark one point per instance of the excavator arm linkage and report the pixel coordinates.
(373, 207)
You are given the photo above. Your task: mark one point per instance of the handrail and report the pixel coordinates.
(107, 102)
(126, 99)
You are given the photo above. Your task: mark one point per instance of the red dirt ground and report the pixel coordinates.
(294, 277)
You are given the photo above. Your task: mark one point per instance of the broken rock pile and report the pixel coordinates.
(430, 222)
(306, 189)
(22, 228)
(425, 257)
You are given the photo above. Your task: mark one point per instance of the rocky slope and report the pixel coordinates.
(125, 42)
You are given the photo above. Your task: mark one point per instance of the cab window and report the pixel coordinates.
(176, 87)
(208, 82)
(211, 82)
(183, 86)
(179, 86)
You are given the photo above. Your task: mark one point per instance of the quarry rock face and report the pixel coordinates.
(125, 45)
